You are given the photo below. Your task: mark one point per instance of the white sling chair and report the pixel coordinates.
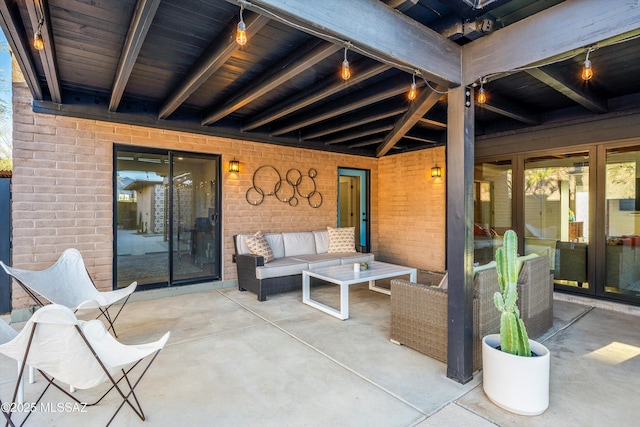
(81, 354)
(7, 333)
(68, 283)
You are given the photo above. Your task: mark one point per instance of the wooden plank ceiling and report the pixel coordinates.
(175, 64)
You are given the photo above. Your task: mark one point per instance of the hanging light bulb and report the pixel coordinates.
(587, 71)
(482, 95)
(413, 92)
(38, 41)
(241, 32)
(345, 72)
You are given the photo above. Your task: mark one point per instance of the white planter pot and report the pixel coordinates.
(515, 383)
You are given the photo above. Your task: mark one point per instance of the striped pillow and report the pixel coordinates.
(258, 245)
(341, 239)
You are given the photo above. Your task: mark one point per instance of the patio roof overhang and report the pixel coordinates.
(174, 64)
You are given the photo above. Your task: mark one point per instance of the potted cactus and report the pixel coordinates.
(515, 368)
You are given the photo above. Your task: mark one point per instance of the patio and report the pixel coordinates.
(232, 361)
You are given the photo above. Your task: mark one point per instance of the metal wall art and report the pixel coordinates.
(267, 181)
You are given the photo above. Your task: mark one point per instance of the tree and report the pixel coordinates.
(6, 138)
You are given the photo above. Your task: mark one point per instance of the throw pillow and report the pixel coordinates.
(258, 245)
(341, 239)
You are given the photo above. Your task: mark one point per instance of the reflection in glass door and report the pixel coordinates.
(166, 203)
(556, 199)
(622, 210)
(492, 199)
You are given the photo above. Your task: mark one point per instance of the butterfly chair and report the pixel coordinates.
(7, 333)
(68, 283)
(81, 354)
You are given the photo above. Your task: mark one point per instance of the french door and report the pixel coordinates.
(166, 222)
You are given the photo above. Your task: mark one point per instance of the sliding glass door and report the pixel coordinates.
(622, 213)
(167, 230)
(556, 215)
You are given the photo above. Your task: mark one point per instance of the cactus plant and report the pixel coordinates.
(513, 334)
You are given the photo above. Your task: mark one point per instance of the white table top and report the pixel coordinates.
(344, 274)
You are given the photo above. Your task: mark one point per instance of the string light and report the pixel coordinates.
(38, 41)
(413, 92)
(587, 71)
(482, 95)
(345, 72)
(241, 32)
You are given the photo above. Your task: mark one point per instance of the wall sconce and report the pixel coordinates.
(234, 165)
(436, 172)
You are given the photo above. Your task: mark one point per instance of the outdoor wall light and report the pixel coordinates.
(436, 172)
(234, 165)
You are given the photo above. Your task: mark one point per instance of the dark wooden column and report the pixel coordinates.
(460, 152)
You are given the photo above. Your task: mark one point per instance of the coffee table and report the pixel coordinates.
(344, 276)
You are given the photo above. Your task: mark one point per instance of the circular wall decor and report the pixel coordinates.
(267, 181)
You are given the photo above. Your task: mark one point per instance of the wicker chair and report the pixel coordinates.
(535, 295)
(419, 311)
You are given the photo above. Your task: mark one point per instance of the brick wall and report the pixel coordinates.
(412, 210)
(62, 192)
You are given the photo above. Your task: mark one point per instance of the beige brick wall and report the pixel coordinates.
(412, 209)
(62, 190)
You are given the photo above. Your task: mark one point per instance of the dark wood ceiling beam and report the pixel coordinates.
(38, 11)
(138, 28)
(216, 55)
(369, 130)
(433, 122)
(568, 88)
(401, 5)
(12, 27)
(370, 115)
(367, 142)
(394, 38)
(428, 137)
(318, 92)
(420, 106)
(378, 92)
(567, 27)
(302, 59)
(509, 109)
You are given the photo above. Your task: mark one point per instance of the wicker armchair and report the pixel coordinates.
(419, 311)
(419, 315)
(535, 295)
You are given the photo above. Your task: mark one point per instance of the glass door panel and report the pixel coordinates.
(166, 204)
(556, 213)
(142, 244)
(194, 217)
(492, 198)
(622, 212)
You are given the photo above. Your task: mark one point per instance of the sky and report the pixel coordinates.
(5, 68)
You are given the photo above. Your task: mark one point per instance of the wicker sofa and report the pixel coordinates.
(293, 252)
(419, 310)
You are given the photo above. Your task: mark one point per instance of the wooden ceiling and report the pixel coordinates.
(175, 64)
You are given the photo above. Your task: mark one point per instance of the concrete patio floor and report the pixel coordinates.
(233, 361)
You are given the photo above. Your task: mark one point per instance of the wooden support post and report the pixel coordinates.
(460, 152)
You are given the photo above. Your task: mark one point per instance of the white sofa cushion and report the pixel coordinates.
(316, 261)
(299, 243)
(322, 241)
(277, 244)
(281, 267)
